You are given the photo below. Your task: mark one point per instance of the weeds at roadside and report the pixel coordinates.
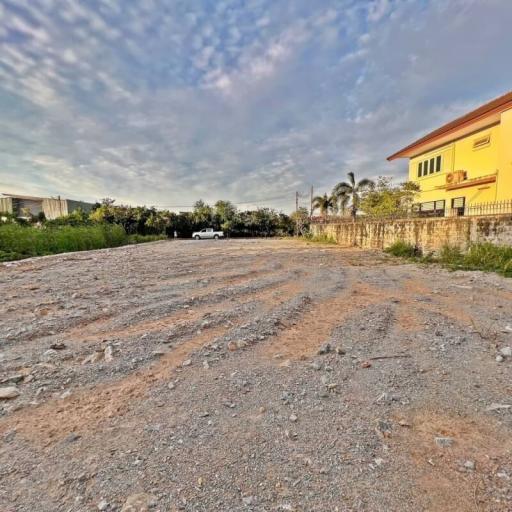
(18, 242)
(320, 239)
(486, 257)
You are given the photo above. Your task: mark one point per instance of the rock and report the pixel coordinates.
(171, 385)
(14, 379)
(141, 502)
(324, 349)
(58, 346)
(315, 366)
(469, 465)
(9, 392)
(71, 438)
(187, 362)
(387, 398)
(497, 407)
(366, 364)
(103, 505)
(93, 358)
(49, 354)
(444, 442)
(506, 351)
(232, 346)
(108, 353)
(248, 500)
(339, 351)
(206, 365)
(293, 418)
(500, 358)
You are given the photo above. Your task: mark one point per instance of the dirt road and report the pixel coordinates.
(253, 375)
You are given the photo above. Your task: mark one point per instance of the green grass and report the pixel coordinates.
(142, 239)
(486, 257)
(402, 249)
(18, 242)
(321, 239)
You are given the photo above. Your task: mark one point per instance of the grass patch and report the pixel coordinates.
(321, 239)
(402, 249)
(18, 242)
(486, 257)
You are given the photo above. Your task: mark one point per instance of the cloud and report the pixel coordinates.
(164, 102)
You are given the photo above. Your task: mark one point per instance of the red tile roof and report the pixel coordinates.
(495, 106)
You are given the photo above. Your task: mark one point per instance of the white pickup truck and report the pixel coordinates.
(207, 233)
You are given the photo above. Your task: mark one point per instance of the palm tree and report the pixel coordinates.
(324, 204)
(343, 200)
(352, 190)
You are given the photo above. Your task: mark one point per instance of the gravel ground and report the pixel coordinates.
(253, 375)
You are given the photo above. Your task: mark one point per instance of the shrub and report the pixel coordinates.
(490, 258)
(324, 238)
(17, 242)
(403, 250)
(450, 255)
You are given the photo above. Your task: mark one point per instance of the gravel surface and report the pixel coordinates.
(253, 375)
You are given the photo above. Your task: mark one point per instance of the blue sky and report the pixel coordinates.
(164, 102)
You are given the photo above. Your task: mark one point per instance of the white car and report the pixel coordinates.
(208, 233)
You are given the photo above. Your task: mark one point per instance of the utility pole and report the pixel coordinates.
(311, 203)
(296, 213)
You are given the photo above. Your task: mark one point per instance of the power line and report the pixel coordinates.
(275, 198)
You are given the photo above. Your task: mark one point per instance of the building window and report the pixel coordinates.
(432, 208)
(458, 205)
(430, 166)
(482, 142)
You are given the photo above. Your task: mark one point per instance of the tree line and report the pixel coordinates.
(142, 220)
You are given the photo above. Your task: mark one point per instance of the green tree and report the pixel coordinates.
(387, 199)
(353, 190)
(202, 214)
(300, 221)
(224, 215)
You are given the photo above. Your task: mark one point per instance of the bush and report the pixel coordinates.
(450, 255)
(487, 257)
(17, 242)
(403, 250)
(324, 238)
(140, 239)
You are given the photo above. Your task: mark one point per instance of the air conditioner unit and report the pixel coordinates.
(455, 177)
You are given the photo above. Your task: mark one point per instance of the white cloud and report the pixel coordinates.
(162, 106)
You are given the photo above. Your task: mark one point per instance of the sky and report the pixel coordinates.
(163, 102)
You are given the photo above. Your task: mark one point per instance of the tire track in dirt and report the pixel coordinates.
(88, 409)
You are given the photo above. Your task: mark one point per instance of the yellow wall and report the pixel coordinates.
(494, 158)
(505, 157)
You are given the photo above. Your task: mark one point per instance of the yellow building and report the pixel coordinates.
(465, 163)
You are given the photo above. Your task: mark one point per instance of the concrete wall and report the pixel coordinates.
(6, 205)
(428, 234)
(54, 208)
